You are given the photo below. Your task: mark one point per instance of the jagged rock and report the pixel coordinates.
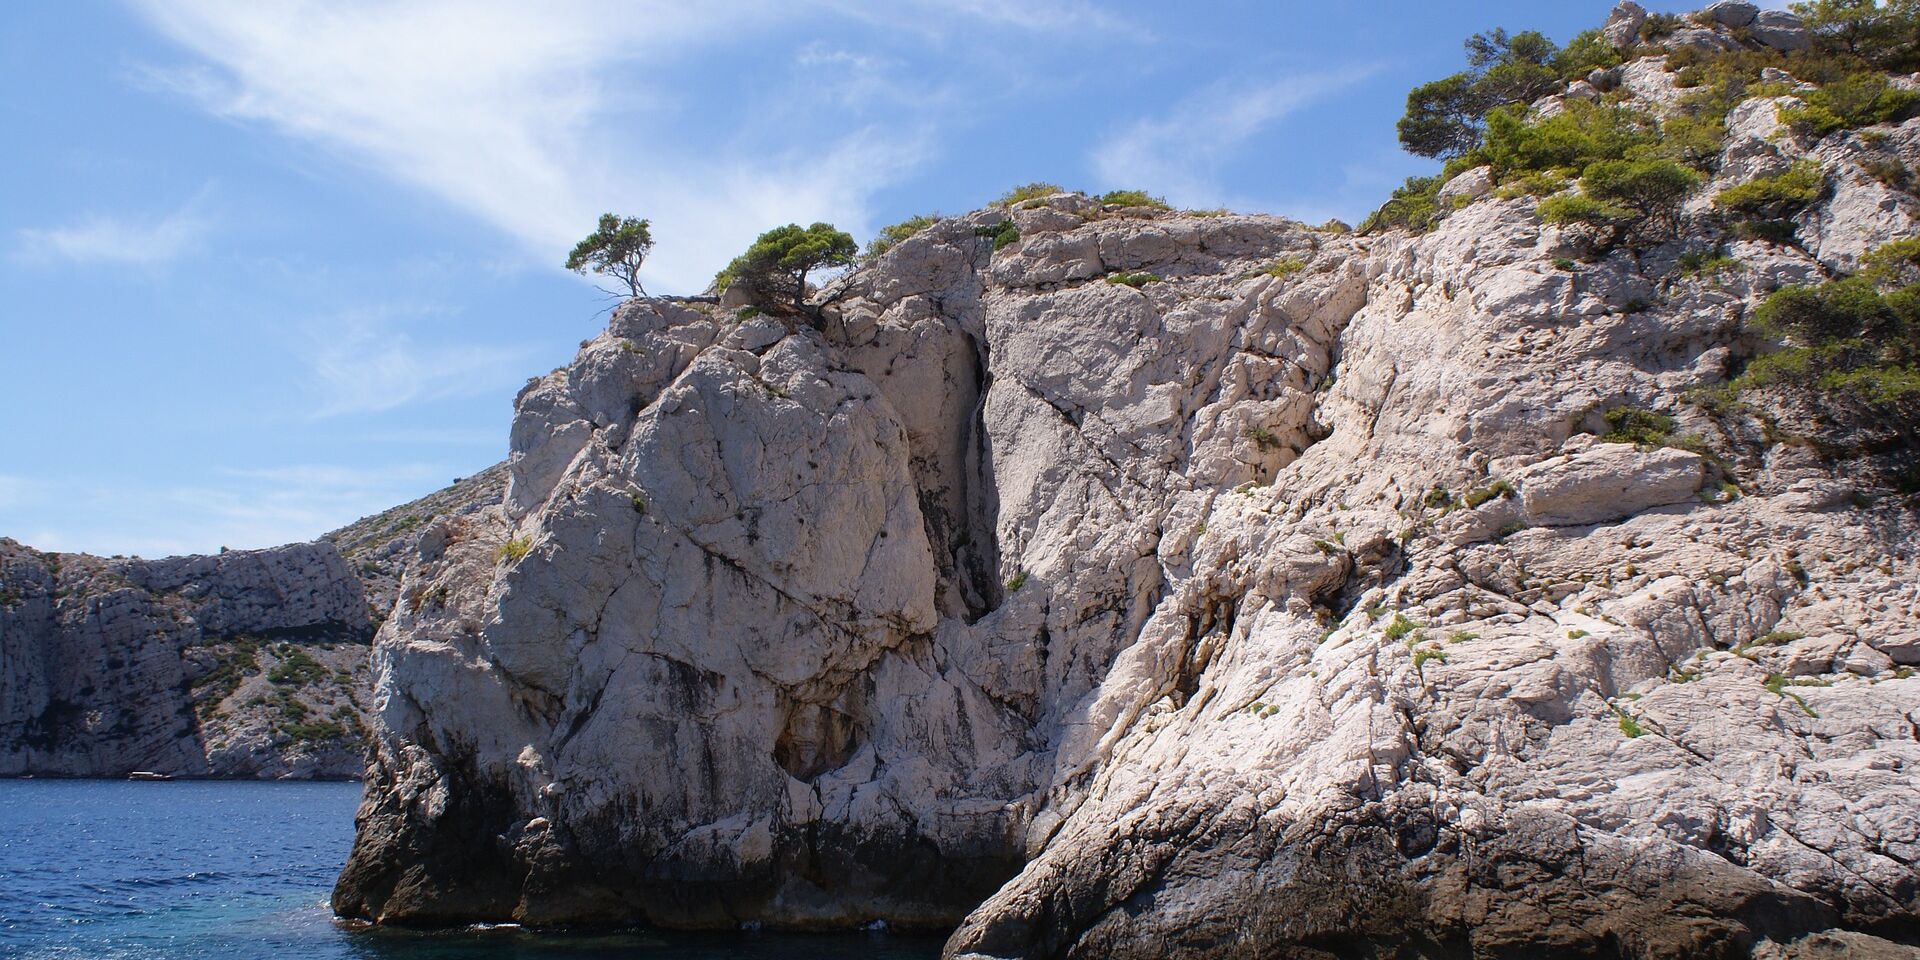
(1729, 13)
(1278, 598)
(1470, 185)
(1607, 482)
(1699, 38)
(1623, 24)
(110, 666)
(1780, 30)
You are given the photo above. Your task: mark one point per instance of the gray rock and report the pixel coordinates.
(1728, 13)
(1245, 612)
(1623, 24)
(110, 666)
(1780, 30)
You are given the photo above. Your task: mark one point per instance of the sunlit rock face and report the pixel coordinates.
(1165, 584)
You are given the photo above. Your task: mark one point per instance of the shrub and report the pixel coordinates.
(1846, 336)
(1839, 310)
(1586, 52)
(1134, 280)
(774, 269)
(1400, 627)
(1018, 580)
(513, 550)
(314, 732)
(1028, 191)
(1494, 490)
(1651, 192)
(1414, 206)
(1004, 233)
(1893, 262)
(890, 236)
(296, 668)
(1133, 198)
(1781, 195)
(1888, 171)
(1582, 134)
(1628, 725)
(1702, 263)
(1285, 267)
(1420, 657)
(1638, 426)
(1860, 100)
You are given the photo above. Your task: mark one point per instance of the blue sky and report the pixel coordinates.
(267, 267)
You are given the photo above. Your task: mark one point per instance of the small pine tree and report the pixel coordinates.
(616, 249)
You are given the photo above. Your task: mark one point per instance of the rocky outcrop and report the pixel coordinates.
(246, 664)
(1123, 583)
(376, 547)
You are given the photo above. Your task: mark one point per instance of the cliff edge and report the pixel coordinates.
(1119, 582)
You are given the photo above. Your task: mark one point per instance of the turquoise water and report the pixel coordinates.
(237, 871)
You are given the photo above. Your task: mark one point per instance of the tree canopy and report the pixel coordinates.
(1444, 118)
(774, 270)
(616, 249)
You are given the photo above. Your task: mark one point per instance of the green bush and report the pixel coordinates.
(1846, 336)
(1028, 191)
(1133, 198)
(1414, 206)
(513, 550)
(1285, 267)
(1134, 280)
(1586, 52)
(1582, 134)
(890, 236)
(1004, 233)
(774, 269)
(1860, 100)
(1704, 263)
(1776, 197)
(295, 668)
(1639, 426)
(1400, 627)
(1494, 490)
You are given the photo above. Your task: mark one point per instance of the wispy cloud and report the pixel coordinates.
(239, 508)
(535, 118)
(366, 361)
(1180, 152)
(133, 241)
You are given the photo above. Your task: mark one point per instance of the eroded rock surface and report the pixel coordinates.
(252, 663)
(1181, 585)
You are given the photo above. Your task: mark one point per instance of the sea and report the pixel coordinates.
(224, 870)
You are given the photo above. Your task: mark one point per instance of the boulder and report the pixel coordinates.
(1608, 482)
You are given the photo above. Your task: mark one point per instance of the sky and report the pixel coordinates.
(268, 266)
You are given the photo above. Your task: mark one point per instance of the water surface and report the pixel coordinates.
(240, 870)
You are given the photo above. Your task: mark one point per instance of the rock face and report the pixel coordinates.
(1176, 585)
(246, 664)
(249, 664)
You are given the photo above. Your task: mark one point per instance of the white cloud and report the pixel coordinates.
(536, 118)
(98, 238)
(238, 508)
(364, 362)
(1178, 153)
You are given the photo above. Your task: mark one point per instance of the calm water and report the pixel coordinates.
(235, 871)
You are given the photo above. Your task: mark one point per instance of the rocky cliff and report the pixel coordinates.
(1118, 582)
(249, 664)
